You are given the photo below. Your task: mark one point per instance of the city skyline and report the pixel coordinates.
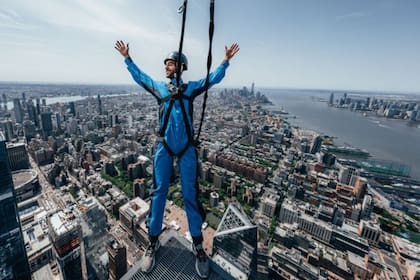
(284, 44)
(281, 199)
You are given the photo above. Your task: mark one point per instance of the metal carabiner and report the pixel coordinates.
(181, 9)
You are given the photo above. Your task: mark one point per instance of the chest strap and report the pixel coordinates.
(176, 94)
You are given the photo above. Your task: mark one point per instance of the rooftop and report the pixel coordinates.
(22, 177)
(62, 222)
(36, 239)
(136, 207)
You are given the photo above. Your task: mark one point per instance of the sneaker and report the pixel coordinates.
(201, 261)
(148, 259)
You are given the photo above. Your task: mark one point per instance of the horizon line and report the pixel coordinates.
(332, 90)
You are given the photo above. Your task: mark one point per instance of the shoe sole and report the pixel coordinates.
(196, 267)
(199, 275)
(153, 262)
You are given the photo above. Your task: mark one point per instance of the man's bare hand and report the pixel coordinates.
(231, 51)
(122, 48)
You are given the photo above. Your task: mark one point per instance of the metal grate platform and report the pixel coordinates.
(174, 261)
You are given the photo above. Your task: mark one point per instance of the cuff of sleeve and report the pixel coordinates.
(225, 63)
(128, 60)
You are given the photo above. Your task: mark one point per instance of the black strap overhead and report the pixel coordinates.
(177, 91)
(209, 59)
(183, 10)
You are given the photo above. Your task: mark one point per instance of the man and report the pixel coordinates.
(176, 132)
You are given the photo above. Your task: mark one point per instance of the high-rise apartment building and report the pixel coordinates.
(269, 203)
(117, 255)
(66, 236)
(13, 259)
(345, 174)
(139, 188)
(18, 157)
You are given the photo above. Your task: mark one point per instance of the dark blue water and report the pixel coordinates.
(386, 139)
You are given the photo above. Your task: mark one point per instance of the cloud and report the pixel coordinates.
(10, 19)
(354, 15)
(112, 17)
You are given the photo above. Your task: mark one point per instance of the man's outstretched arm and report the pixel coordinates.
(218, 74)
(138, 75)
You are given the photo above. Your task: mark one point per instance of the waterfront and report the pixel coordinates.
(386, 139)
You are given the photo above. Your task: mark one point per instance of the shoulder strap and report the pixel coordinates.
(154, 92)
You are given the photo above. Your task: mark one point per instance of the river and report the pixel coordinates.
(385, 139)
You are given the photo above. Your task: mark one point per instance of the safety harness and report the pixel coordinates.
(177, 91)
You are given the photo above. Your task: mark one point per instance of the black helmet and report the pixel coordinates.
(174, 56)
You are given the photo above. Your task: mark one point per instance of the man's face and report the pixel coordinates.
(170, 69)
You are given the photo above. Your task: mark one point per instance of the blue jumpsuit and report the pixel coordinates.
(176, 139)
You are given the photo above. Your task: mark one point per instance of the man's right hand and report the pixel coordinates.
(122, 48)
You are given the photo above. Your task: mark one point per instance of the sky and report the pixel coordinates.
(371, 45)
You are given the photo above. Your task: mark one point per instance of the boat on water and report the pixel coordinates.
(348, 150)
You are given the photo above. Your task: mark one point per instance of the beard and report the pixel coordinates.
(170, 74)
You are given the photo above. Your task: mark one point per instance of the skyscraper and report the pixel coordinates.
(72, 108)
(117, 255)
(29, 130)
(17, 108)
(66, 236)
(38, 106)
(235, 245)
(47, 126)
(316, 144)
(331, 101)
(33, 116)
(18, 157)
(7, 128)
(13, 259)
(5, 102)
(99, 105)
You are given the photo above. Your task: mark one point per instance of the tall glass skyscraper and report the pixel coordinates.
(13, 259)
(235, 245)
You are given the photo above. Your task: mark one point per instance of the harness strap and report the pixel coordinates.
(186, 122)
(209, 59)
(171, 153)
(176, 94)
(166, 119)
(154, 92)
